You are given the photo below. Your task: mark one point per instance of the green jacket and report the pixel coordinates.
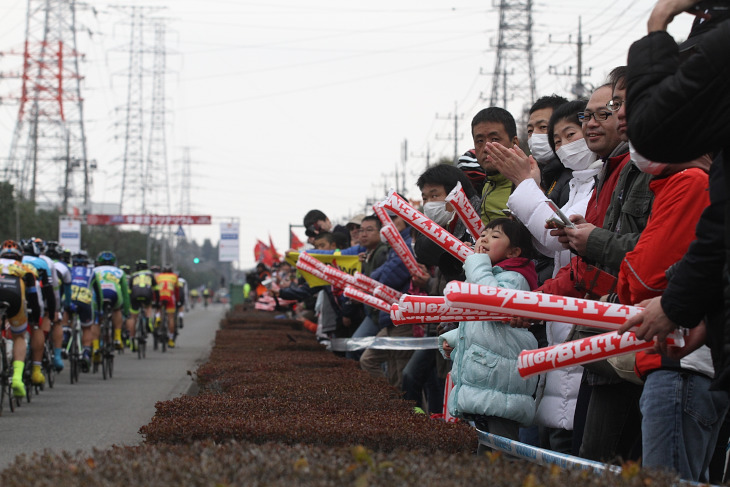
(497, 189)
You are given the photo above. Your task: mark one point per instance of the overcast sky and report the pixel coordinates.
(288, 106)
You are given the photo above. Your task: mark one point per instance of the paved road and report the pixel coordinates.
(95, 413)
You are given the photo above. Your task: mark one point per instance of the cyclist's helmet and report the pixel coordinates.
(40, 243)
(30, 247)
(80, 258)
(140, 265)
(166, 268)
(155, 268)
(54, 250)
(106, 257)
(66, 256)
(11, 250)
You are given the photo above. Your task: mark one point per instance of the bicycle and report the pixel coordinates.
(6, 373)
(74, 349)
(106, 342)
(140, 333)
(47, 363)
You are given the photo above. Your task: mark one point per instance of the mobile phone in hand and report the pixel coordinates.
(566, 221)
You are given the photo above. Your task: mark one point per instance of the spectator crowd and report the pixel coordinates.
(638, 169)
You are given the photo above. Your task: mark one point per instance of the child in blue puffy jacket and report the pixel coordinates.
(487, 387)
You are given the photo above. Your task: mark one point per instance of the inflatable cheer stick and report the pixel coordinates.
(426, 226)
(369, 284)
(433, 309)
(382, 215)
(359, 295)
(384, 293)
(466, 212)
(550, 307)
(583, 351)
(303, 266)
(394, 238)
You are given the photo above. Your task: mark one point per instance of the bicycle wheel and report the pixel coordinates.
(4, 378)
(163, 332)
(48, 367)
(140, 336)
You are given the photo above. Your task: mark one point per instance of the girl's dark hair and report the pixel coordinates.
(569, 112)
(518, 235)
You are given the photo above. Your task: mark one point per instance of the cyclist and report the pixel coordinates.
(143, 293)
(194, 296)
(169, 289)
(18, 286)
(182, 303)
(47, 278)
(114, 288)
(86, 301)
(54, 251)
(206, 296)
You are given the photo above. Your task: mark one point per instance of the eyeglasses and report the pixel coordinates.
(598, 116)
(614, 105)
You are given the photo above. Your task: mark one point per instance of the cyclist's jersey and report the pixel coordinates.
(63, 287)
(85, 292)
(44, 273)
(168, 285)
(183, 285)
(15, 289)
(143, 285)
(113, 286)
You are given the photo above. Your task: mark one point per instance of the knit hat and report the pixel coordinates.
(469, 164)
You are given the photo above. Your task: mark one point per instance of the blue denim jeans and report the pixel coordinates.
(681, 421)
(368, 328)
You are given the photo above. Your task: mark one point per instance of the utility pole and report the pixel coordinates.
(514, 54)
(49, 143)
(579, 89)
(456, 136)
(426, 156)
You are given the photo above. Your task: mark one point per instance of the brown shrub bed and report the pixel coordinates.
(275, 408)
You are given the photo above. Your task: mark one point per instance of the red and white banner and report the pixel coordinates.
(463, 208)
(363, 297)
(397, 243)
(148, 219)
(426, 226)
(433, 309)
(366, 282)
(583, 351)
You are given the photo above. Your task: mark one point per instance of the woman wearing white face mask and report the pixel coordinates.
(558, 390)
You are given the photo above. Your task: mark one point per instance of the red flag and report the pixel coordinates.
(296, 244)
(259, 250)
(274, 253)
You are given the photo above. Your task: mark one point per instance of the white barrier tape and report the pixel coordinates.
(463, 208)
(541, 456)
(383, 343)
(427, 227)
